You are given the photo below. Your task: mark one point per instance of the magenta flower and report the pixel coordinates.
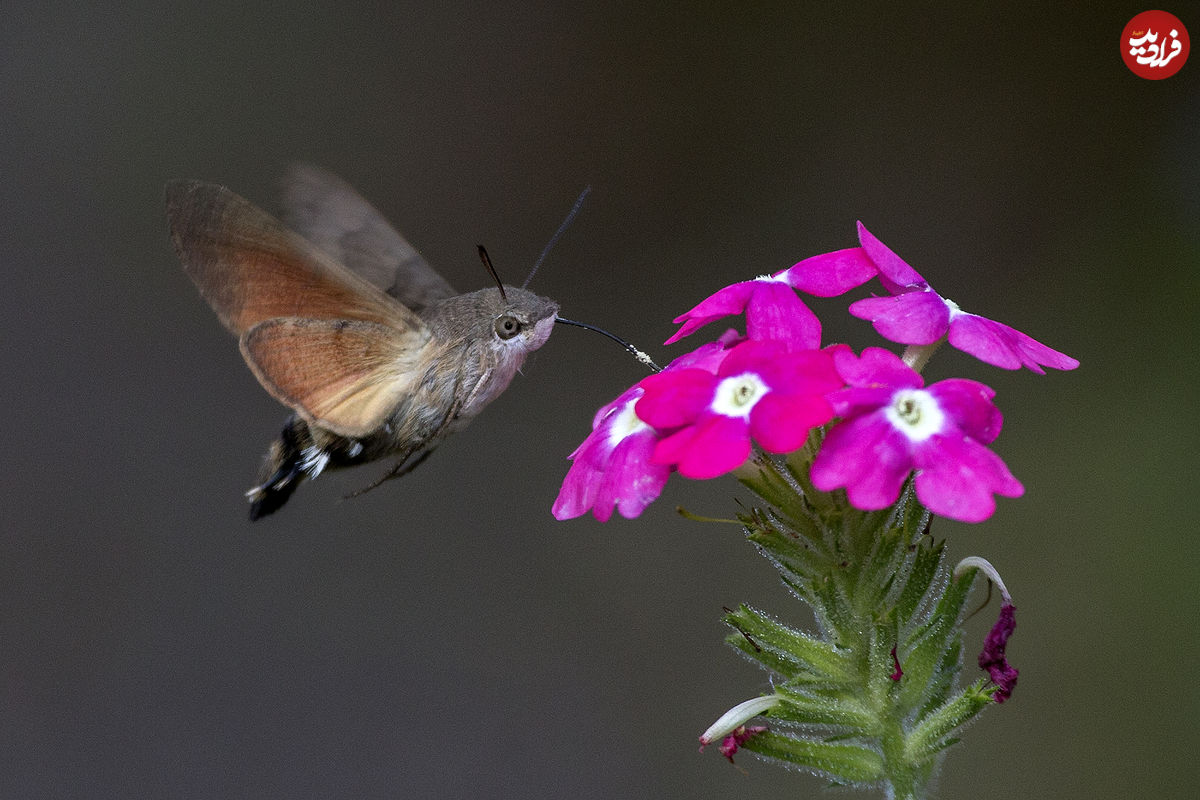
(892, 425)
(1003, 674)
(831, 274)
(612, 468)
(916, 314)
(762, 390)
(773, 311)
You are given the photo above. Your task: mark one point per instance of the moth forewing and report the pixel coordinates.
(342, 375)
(250, 268)
(328, 212)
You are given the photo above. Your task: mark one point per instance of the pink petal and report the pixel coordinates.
(671, 449)
(603, 477)
(892, 268)
(875, 367)
(752, 356)
(918, 317)
(1001, 346)
(957, 476)
(783, 369)
(595, 449)
(780, 423)
(855, 401)
(578, 492)
(970, 405)
(675, 397)
(712, 447)
(730, 300)
(774, 312)
(867, 456)
(616, 406)
(631, 481)
(831, 274)
(804, 372)
(707, 356)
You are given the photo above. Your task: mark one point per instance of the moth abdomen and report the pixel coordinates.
(304, 451)
(282, 470)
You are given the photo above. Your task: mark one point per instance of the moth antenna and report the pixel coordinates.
(487, 262)
(566, 223)
(638, 354)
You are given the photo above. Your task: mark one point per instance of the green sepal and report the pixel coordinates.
(931, 735)
(792, 651)
(834, 609)
(835, 706)
(789, 552)
(927, 556)
(825, 505)
(780, 490)
(934, 649)
(843, 762)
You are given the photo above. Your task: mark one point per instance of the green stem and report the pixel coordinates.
(869, 698)
(918, 355)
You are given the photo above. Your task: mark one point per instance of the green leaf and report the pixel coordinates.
(789, 553)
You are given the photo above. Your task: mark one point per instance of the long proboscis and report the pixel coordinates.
(638, 354)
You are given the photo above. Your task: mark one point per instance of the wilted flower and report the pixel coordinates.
(1003, 674)
(892, 425)
(731, 728)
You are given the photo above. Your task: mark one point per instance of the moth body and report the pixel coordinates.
(348, 326)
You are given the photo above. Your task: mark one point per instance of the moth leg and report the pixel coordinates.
(401, 468)
(404, 466)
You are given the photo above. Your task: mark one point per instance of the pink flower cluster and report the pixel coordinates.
(703, 413)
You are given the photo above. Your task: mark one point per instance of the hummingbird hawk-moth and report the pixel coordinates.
(343, 322)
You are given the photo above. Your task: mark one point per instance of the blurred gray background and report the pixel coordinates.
(443, 636)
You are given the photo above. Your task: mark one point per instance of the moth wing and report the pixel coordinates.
(345, 376)
(251, 268)
(324, 209)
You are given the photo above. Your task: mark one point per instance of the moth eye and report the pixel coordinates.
(507, 326)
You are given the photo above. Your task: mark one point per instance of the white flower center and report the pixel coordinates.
(737, 395)
(915, 413)
(625, 423)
